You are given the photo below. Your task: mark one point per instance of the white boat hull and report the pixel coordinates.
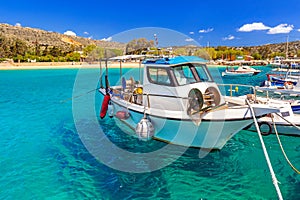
(242, 74)
(281, 119)
(210, 131)
(282, 127)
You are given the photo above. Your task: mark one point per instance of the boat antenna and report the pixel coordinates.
(287, 47)
(101, 82)
(106, 73)
(140, 76)
(156, 40)
(120, 69)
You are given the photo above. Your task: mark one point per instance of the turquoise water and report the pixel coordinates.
(43, 157)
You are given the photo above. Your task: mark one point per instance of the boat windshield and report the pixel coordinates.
(159, 76)
(187, 74)
(203, 73)
(184, 75)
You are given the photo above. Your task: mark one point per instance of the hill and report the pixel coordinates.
(32, 37)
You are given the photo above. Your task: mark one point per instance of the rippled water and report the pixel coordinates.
(43, 157)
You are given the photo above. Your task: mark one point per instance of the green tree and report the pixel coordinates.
(55, 52)
(202, 53)
(212, 53)
(256, 56)
(180, 51)
(88, 49)
(73, 56)
(136, 46)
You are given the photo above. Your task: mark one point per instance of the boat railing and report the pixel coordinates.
(225, 89)
(283, 94)
(236, 89)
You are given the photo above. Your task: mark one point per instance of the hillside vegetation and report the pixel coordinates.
(23, 43)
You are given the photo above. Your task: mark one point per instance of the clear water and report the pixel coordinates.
(42, 156)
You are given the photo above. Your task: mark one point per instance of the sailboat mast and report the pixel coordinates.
(287, 47)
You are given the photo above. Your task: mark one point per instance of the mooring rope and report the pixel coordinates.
(281, 147)
(288, 121)
(80, 95)
(274, 179)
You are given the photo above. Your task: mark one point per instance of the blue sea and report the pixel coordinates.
(45, 152)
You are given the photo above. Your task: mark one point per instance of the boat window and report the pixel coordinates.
(203, 73)
(159, 76)
(184, 75)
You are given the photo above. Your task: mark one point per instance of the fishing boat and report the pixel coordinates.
(177, 102)
(241, 71)
(282, 78)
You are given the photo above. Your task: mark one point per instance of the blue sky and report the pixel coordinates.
(210, 22)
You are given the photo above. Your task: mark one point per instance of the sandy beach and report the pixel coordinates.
(64, 65)
(69, 65)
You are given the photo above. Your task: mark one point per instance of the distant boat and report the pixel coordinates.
(282, 81)
(241, 71)
(277, 62)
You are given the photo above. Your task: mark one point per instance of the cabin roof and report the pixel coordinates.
(175, 60)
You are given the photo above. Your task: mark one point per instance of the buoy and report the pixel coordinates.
(236, 89)
(104, 106)
(288, 85)
(122, 114)
(139, 90)
(144, 129)
(110, 109)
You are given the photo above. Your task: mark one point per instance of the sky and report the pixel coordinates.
(195, 22)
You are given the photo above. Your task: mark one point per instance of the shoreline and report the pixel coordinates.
(64, 65)
(70, 65)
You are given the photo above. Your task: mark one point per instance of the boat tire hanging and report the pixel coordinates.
(269, 128)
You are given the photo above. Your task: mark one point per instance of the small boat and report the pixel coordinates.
(284, 120)
(285, 94)
(241, 71)
(277, 62)
(288, 79)
(178, 102)
(278, 81)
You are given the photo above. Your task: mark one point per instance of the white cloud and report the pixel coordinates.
(71, 33)
(281, 28)
(192, 33)
(259, 26)
(206, 31)
(107, 39)
(189, 40)
(85, 33)
(229, 37)
(18, 24)
(256, 26)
